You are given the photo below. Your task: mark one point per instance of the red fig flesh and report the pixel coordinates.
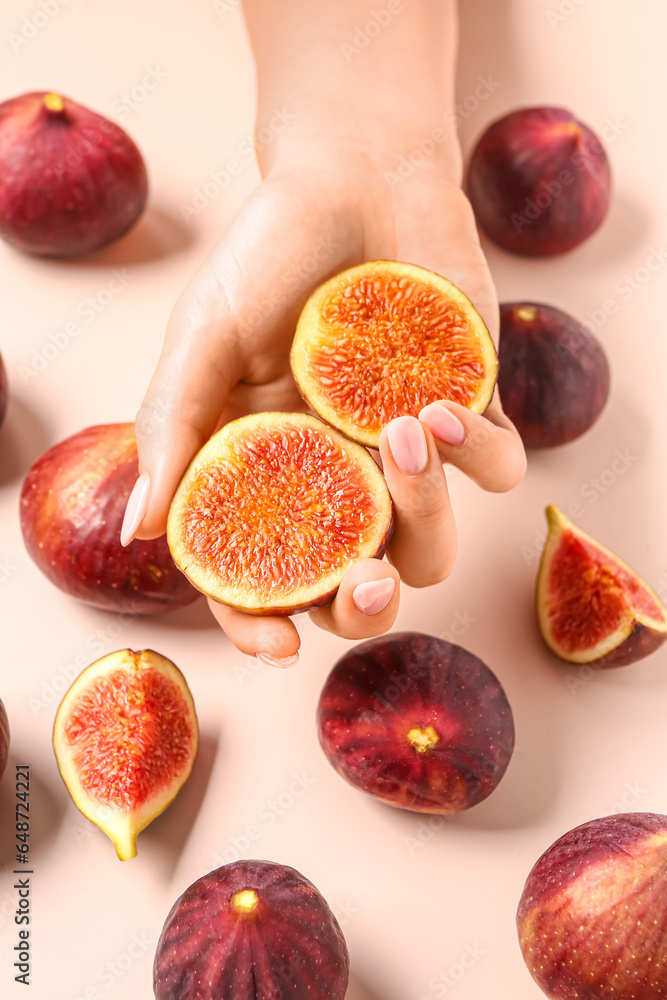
(72, 506)
(251, 930)
(386, 339)
(71, 181)
(273, 510)
(125, 738)
(592, 608)
(539, 181)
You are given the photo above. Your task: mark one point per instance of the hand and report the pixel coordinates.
(227, 353)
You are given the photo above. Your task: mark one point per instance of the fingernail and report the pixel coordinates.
(137, 505)
(444, 424)
(372, 597)
(407, 442)
(278, 661)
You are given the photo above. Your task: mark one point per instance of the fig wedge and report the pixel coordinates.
(125, 739)
(385, 339)
(273, 510)
(591, 606)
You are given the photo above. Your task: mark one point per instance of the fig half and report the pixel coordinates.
(385, 339)
(125, 739)
(273, 510)
(416, 721)
(591, 607)
(251, 930)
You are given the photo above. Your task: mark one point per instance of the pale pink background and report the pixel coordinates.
(410, 908)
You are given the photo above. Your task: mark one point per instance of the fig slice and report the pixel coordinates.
(125, 738)
(385, 339)
(273, 510)
(251, 930)
(591, 606)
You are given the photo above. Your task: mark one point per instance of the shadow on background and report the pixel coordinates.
(166, 837)
(359, 990)
(158, 234)
(45, 813)
(23, 438)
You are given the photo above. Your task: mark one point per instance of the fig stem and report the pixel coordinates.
(526, 313)
(423, 739)
(245, 901)
(54, 102)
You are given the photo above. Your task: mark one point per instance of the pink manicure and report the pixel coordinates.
(407, 442)
(278, 661)
(372, 597)
(444, 425)
(137, 505)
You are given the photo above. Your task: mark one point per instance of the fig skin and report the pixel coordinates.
(71, 181)
(594, 583)
(287, 943)
(72, 506)
(553, 376)
(4, 738)
(4, 391)
(384, 339)
(239, 470)
(125, 738)
(591, 918)
(417, 722)
(539, 182)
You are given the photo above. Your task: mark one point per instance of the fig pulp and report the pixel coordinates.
(591, 918)
(539, 181)
(386, 339)
(71, 181)
(72, 506)
(273, 510)
(251, 930)
(4, 391)
(125, 738)
(553, 376)
(4, 738)
(591, 607)
(417, 722)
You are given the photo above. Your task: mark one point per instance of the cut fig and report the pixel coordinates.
(591, 607)
(273, 511)
(251, 930)
(71, 181)
(385, 339)
(553, 376)
(72, 506)
(539, 181)
(125, 738)
(417, 722)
